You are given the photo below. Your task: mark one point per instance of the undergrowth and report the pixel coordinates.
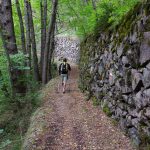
(15, 118)
(15, 112)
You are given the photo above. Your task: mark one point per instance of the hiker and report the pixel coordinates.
(64, 69)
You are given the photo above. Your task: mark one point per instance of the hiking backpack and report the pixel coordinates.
(64, 68)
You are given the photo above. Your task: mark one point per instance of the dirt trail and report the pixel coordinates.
(75, 124)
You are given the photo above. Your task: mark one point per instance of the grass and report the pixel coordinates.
(95, 101)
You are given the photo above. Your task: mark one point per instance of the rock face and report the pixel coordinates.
(115, 69)
(67, 47)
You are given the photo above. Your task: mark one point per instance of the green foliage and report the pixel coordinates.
(96, 102)
(54, 70)
(83, 18)
(107, 110)
(15, 120)
(4, 83)
(5, 143)
(18, 60)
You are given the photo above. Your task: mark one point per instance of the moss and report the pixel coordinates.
(145, 141)
(147, 9)
(95, 101)
(107, 110)
(126, 47)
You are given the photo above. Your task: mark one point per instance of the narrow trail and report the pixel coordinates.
(71, 123)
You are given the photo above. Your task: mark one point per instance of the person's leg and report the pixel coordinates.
(64, 83)
(62, 79)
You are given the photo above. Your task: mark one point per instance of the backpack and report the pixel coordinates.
(64, 68)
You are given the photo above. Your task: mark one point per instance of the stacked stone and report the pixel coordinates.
(67, 47)
(119, 68)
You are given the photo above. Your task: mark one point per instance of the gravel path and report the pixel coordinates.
(71, 123)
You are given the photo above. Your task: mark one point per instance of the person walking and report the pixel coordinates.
(64, 69)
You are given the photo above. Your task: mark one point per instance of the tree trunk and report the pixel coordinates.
(43, 30)
(49, 41)
(9, 42)
(21, 27)
(34, 51)
(28, 38)
(52, 47)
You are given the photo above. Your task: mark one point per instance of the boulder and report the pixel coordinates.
(145, 48)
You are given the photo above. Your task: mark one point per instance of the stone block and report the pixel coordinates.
(133, 55)
(135, 122)
(125, 61)
(146, 93)
(123, 124)
(120, 50)
(111, 78)
(146, 78)
(133, 133)
(145, 48)
(140, 100)
(101, 68)
(137, 83)
(147, 113)
(126, 90)
(148, 66)
(118, 112)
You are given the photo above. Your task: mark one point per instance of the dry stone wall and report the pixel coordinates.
(115, 69)
(67, 47)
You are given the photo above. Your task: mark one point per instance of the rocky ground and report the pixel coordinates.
(68, 122)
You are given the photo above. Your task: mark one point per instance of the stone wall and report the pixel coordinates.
(115, 69)
(67, 47)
